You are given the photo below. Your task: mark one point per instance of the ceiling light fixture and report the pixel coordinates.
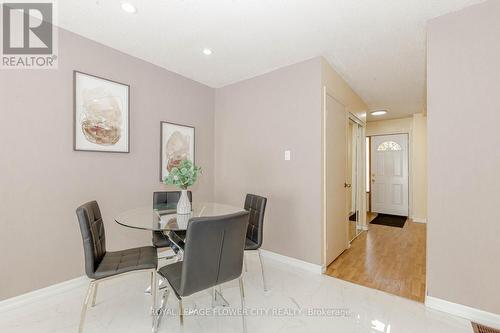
(207, 52)
(129, 8)
(378, 113)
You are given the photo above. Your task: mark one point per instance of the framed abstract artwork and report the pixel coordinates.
(101, 114)
(176, 144)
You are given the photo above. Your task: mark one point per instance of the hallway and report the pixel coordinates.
(388, 259)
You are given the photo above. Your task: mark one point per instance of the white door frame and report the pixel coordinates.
(410, 171)
(361, 174)
(324, 204)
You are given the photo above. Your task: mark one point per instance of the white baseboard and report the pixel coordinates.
(294, 262)
(419, 219)
(55, 289)
(472, 314)
(14, 302)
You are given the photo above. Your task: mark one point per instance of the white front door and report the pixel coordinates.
(389, 174)
(335, 174)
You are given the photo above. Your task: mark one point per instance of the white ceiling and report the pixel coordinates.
(378, 46)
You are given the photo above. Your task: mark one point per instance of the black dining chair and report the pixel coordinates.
(256, 206)
(213, 255)
(168, 200)
(101, 265)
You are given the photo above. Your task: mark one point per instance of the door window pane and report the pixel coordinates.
(389, 145)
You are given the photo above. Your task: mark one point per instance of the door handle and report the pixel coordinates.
(347, 185)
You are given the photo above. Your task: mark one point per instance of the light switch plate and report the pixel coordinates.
(287, 155)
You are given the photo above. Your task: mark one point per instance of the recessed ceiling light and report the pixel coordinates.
(129, 8)
(207, 51)
(378, 113)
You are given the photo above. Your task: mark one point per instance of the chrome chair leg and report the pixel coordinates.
(181, 312)
(94, 296)
(85, 306)
(161, 285)
(154, 290)
(156, 323)
(245, 262)
(158, 315)
(262, 269)
(214, 297)
(217, 297)
(242, 295)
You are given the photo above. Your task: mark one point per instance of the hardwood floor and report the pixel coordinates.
(353, 229)
(386, 258)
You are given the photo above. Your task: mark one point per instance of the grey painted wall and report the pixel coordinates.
(464, 157)
(256, 121)
(42, 180)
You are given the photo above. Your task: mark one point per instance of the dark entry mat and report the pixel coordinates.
(390, 220)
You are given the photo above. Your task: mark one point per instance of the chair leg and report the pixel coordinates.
(217, 297)
(154, 291)
(245, 262)
(218, 292)
(161, 311)
(148, 289)
(94, 296)
(214, 297)
(85, 306)
(161, 285)
(242, 295)
(181, 312)
(262, 269)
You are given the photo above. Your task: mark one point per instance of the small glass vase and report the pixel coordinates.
(184, 205)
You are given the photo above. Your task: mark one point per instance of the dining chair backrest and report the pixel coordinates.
(256, 206)
(213, 253)
(169, 197)
(93, 235)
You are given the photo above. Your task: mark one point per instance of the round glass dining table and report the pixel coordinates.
(164, 217)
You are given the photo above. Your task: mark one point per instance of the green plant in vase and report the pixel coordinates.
(183, 176)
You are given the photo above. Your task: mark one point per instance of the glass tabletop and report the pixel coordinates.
(164, 217)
